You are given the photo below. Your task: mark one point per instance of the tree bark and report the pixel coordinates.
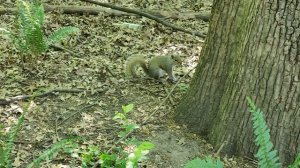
(252, 49)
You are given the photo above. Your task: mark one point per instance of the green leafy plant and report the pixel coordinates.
(126, 156)
(208, 162)
(138, 154)
(183, 87)
(296, 163)
(267, 157)
(7, 146)
(87, 157)
(121, 117)
(28, 36)
(111, 160)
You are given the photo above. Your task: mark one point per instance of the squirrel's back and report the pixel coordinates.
(156, 67)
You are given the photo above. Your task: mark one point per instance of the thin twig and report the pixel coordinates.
(65, 49)
(170, 98)
(221, 147)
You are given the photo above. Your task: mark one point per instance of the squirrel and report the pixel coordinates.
(156, 67)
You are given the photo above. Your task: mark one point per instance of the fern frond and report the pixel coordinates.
(2, 143)
(30, 34)
(61, 34)
(49, 153)
(296, 163)
(10, 141)
(37, 41)
(38, 13)
(267, 157)
(25, 19)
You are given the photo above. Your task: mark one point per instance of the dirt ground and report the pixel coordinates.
(104, 44)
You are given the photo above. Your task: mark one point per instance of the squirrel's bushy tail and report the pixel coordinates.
(131, 64)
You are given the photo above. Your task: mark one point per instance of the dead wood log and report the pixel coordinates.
(92, 10)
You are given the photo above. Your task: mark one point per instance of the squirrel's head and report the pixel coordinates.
(177, 59)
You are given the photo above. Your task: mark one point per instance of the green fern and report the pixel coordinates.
(267, 157)
(8, 146)
(55, 148)
(38, 13)
(296, 163)
(23, 27)
(61, 34)
(28, 36)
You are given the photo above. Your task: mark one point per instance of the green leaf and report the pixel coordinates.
(39, 14)
(127, 108)
(120, 163)
(122, 134)
(267, 157)
(208, 162)
(61, 34)
(131, 127)
(146, 146)
(195, 163)
(8, 146)
(119, 116)
(251, 104)
(36, 40)
(183, 87)
(139, 153)
(296, 163)
(107, 160)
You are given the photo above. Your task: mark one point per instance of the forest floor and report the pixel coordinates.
(102, 47)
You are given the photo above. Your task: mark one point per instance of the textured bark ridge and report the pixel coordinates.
(252, 49)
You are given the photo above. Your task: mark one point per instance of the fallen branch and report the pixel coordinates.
(25, 97)
(147, 15)
(65, 49)
(92, 10)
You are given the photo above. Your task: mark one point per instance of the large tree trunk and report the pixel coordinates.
(252, 49)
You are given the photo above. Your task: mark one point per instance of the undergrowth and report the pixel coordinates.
(266, 155)
(9, 139)
(28, 36)
(128, 155)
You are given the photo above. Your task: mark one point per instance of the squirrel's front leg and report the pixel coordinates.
(171, 75)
